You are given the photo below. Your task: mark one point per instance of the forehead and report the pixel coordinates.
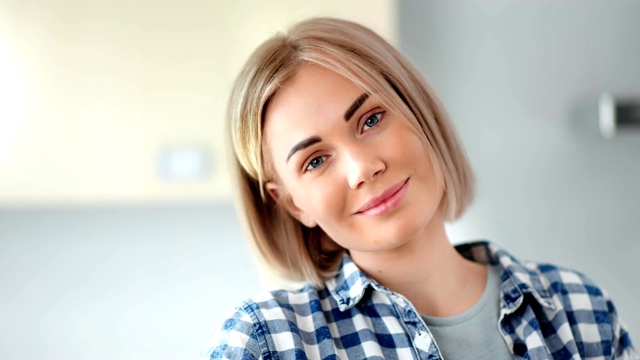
(313, 88)
(311, 102)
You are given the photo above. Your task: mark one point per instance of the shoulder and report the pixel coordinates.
(280, 304)
(547, 282)
(235, 340)
(571, 285)
(587, 309)
(267, 322)
(568, 290)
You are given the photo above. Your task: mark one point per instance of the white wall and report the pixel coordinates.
(119, 283)
(521, 81)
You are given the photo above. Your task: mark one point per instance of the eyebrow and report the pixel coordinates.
(303, 145)
(355, 106)
(315, 139)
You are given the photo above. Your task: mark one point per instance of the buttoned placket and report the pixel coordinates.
(423, 341)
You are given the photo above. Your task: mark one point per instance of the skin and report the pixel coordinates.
(331, 170)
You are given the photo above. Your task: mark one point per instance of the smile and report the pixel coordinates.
(385, 202)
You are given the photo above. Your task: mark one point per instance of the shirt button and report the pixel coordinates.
(519, 349)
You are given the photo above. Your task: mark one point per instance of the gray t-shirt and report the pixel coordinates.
(473, 334)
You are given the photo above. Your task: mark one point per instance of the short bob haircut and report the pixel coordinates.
(288, 248)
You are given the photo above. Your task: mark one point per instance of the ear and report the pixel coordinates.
(282, 198)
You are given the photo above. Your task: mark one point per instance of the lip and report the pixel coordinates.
(385, 202)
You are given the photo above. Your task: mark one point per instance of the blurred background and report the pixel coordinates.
(118, 235)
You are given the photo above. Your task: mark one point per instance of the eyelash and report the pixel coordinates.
(378, 115)
(308, 167)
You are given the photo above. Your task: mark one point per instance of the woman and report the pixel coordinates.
(348, 169)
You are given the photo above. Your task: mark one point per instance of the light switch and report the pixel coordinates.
(618, 114)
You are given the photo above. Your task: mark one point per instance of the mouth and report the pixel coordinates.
(385, 202)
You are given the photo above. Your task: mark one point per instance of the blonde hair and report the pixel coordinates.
(287, 247)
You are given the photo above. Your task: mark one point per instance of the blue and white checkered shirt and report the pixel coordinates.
(547, 312)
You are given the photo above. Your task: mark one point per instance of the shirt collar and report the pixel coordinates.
(349, 286)
(518, 278)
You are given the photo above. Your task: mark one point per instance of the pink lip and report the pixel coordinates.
(385, 202)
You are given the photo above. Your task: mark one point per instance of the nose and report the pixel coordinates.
(363, 165)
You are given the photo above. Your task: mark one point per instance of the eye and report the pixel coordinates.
(315, 163)
(372, 121)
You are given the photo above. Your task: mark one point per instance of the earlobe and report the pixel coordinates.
(279, 195)
(305, 219)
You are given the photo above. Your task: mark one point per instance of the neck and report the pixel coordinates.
(428, 271)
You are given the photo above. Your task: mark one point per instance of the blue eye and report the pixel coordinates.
(315, 163)
(372, 121)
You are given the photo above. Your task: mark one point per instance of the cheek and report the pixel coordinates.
(325, 202)
(414, 154)
(409, 149)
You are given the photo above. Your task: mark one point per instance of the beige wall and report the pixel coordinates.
(92, 92)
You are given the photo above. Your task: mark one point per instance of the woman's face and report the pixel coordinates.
(348, 165)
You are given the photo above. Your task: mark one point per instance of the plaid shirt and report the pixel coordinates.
(547, 312)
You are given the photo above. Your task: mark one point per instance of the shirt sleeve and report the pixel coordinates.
(236, 340)
(622, 347)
